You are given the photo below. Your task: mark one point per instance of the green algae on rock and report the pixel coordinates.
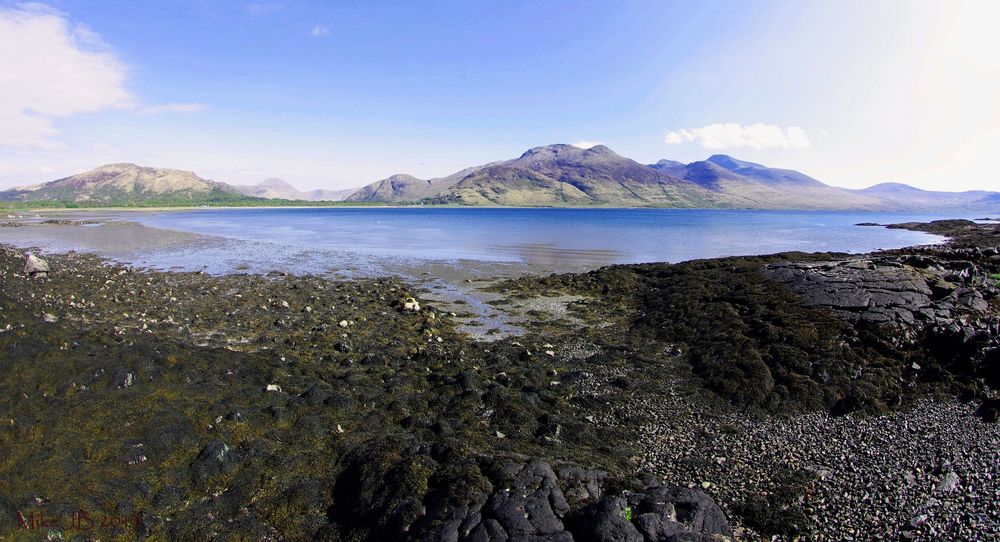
(281, 407)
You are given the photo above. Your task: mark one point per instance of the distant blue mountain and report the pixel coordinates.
(905, 197)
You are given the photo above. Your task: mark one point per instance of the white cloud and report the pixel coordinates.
(586, 144)
(731, 135)
(52, 69)
(319, 31)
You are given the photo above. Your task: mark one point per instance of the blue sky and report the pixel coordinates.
(338, 94)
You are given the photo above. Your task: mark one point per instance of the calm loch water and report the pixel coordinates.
(556, 239)
(456, 241)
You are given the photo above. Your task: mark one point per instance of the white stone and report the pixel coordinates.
(34, 265)
(948, 483)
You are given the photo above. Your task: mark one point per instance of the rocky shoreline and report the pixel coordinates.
(809, 396)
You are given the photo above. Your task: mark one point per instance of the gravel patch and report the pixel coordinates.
(931, 472)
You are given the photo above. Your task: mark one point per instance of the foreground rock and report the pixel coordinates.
(35, 266)
(517, 501)
(937, 306)
(902, 290)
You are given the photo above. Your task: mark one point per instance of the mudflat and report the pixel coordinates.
(732, 398)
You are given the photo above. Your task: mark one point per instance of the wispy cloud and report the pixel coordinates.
(586, 144)
(170, 108)
(319, 31)
(731, 135)
(264, 8)
(52, 69)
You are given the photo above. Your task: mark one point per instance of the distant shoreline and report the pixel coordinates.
(448, 206)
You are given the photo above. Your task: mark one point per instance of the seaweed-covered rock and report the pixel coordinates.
(122, 378)
(214, 459)
(8, 515)
(402, 489)
(900, 290)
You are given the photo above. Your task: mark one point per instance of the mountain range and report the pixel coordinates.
(128, 184)
(279, 189)
(551, 175)
(565, 175)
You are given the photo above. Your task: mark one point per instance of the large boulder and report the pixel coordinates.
(608, 520)
(532, 506)
(656, 514)
(403, 489)
(35, 266)
(677, 513)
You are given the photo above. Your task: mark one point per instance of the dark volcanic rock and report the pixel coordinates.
(883, 290)
(989, 409)
(533, 507)
(582, 485)
(658, 513)
(215, 459)
(606, 521)
(674, 513)
(384, 496)
(935, 302)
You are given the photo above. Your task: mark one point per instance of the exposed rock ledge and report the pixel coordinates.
(907, 290)
(529, 501)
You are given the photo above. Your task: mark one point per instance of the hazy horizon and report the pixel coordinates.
(322, 96)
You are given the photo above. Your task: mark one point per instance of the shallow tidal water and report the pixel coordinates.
(416, 242)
